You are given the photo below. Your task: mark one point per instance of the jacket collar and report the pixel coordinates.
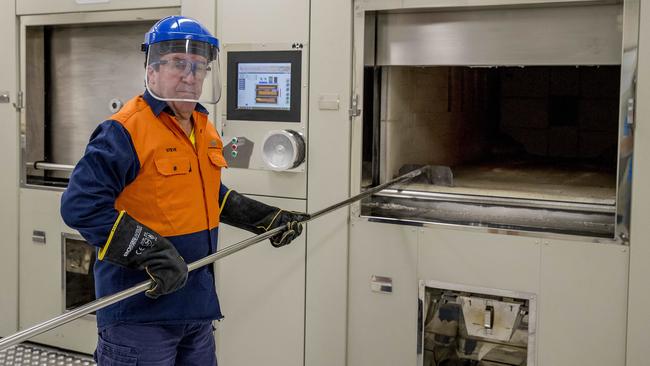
(158, 106)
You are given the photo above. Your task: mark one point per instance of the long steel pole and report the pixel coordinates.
(105, 301)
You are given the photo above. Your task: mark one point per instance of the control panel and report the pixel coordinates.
(264, 124)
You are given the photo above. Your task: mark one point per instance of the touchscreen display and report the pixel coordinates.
(264, 86)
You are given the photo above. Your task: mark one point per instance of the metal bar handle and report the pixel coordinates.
(40, 165)
(141, 287)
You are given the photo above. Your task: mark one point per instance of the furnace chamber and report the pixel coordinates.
(526, 106)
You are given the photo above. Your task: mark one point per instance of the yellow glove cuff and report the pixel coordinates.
(225, 198)
(110, 236)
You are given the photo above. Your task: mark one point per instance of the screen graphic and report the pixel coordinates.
(264, 86)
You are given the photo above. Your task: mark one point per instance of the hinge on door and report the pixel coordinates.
(354, 110)
(19, 101)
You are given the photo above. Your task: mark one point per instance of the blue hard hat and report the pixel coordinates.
(178, 27)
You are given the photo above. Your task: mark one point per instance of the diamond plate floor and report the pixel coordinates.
(31, 354)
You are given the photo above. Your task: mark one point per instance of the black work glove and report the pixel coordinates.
(257, 217)
(135, 246)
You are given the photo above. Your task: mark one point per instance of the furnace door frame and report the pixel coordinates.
(363, 34)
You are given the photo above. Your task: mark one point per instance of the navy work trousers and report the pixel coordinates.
(156, 345)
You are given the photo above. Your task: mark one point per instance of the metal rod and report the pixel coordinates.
(39, 165)
(501, 201)
(256, 239)
(368, 192)
(111, 299)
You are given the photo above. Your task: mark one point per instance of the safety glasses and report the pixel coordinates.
(183, 68)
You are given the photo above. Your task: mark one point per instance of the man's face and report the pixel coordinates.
(178, 75)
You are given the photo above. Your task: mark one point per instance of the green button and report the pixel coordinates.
(234, 140)
(234, 154)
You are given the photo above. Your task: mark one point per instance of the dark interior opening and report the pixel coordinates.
(540, 132)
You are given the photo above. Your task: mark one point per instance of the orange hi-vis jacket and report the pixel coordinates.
(141, 161)
(177, 190)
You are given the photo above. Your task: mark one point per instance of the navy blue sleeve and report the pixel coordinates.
(109, 164)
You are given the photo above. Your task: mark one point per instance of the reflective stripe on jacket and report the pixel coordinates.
(141, 161)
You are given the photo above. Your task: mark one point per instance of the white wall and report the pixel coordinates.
(261, 289)
(328, 183)
(9, 180)
(639, 290)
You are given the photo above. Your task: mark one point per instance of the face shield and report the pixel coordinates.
(183, 70)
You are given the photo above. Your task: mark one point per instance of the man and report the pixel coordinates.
(148, 194)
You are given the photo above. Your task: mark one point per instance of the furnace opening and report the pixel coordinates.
(529, 134)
